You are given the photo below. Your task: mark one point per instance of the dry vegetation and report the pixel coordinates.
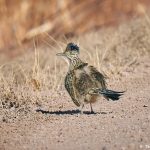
(23, 20)
(35, 80)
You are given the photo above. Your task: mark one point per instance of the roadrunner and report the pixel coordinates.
(83, 82)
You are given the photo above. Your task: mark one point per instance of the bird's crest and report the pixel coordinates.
(72, 47)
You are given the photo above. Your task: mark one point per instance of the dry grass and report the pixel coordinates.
(32, 80)
(23, 20)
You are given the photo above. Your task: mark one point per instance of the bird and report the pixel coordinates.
(84, 82)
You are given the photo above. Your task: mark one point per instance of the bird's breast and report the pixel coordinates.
(78, 73)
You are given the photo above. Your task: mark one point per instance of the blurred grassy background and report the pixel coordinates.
(23, 20)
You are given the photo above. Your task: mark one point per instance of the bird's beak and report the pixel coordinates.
(60, 54)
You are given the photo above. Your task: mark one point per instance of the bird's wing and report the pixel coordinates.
(83, 82)
(97, 77)
(69, 85)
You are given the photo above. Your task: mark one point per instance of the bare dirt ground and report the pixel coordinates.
(44, 117)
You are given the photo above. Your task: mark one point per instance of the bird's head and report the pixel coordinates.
(71, 51)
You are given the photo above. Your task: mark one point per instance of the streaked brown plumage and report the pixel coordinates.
(83, 82)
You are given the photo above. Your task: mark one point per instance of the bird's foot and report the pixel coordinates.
(81, 112)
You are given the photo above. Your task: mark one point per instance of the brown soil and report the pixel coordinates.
(48, 119)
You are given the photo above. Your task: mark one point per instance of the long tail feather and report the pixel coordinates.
(113, 95)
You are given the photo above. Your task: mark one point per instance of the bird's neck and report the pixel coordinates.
(76, 63)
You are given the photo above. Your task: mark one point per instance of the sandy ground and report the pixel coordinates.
(123, 124)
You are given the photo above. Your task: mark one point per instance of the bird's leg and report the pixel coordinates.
(91, 109)
(81, 109)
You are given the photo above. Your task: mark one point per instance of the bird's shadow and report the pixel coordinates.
(69, 112)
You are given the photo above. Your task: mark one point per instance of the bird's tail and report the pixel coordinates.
(109, 94)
